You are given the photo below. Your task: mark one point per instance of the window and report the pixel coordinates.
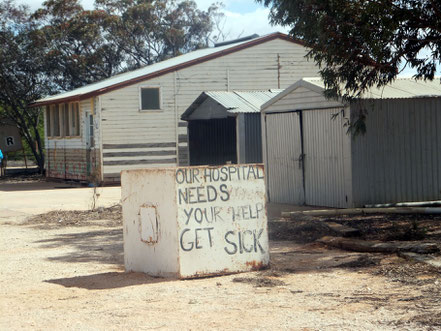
(66, 121)
(150, 98)
(61, 114)
(56, 121)
(48, 121)
(75, 119)
(63, 120)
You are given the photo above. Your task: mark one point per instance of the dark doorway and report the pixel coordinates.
(212, 142)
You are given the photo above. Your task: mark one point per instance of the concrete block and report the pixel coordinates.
(195, 221)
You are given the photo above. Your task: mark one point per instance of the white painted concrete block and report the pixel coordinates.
(195, 221)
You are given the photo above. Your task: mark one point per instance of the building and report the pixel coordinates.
(311, 159)
(132, 120)
(224, 127)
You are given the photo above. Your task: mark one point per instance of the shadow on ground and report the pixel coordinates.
(108, 280)
(106, 246)
(34, 185)
(285, 258)
(291, 257)
(100, 246)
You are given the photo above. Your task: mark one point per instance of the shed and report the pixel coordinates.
(311, 159)
(132, 120)
(225, 127)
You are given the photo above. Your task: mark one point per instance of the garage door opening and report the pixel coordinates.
(212, 142)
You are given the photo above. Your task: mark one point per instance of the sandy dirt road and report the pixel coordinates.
(72, 277)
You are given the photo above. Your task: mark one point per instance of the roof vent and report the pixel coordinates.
(224, 43)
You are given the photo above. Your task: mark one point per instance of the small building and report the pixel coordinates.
(224, 127)
(311, 159)
(132, 120)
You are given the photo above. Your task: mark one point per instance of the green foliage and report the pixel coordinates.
(150, 31)
(21, 74)
(361, 44)
(85, 46)
(61, 46)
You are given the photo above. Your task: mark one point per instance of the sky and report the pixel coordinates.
(242, 17)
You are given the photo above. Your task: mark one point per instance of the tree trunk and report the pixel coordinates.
(38, 154)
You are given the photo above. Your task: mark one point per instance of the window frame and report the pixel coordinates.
(140, 88)
(74, 108)
(65, 123)
(56, 130)
(48, 121)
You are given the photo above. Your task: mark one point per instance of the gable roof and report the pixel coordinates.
(158, 69)
(233, 102)
(400, 88)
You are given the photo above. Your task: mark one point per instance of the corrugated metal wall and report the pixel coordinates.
(399, 158)
(212, 142)
(325, 146)
(325, 179)
(283, 158)
(253, 138)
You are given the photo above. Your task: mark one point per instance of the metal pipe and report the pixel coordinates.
(406, 204)
(365, 211)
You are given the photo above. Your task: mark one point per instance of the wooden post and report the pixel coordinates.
(24, 155)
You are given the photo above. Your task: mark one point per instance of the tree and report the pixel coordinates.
(148, 31)
(360, 44)
(76, 44)
(21, 78)
(62, 46)
(85, 46)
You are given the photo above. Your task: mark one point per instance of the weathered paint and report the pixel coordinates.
(68, 163)
(195, 221)
(73, 157)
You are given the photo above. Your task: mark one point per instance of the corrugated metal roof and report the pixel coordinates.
(157, 68)
(243, 101)
(235, 101)
(400, 88)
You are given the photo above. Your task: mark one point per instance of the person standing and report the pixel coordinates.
(1, 163)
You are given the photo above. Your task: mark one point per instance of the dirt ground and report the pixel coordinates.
(64, 270)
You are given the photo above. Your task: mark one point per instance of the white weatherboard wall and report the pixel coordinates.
(195, 221)
(72, 157)
(132, 139)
